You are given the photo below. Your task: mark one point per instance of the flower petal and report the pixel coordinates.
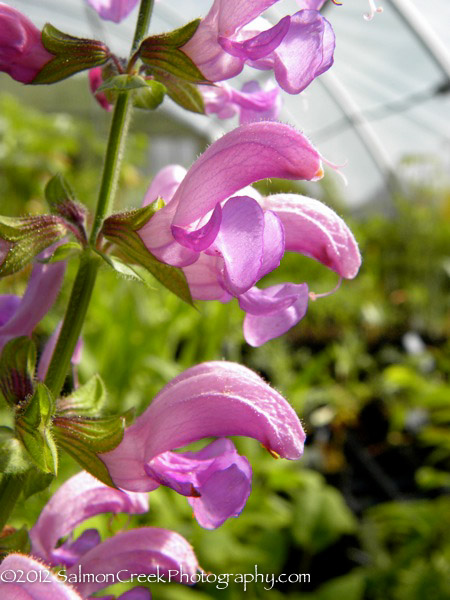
(204, 279)
(165, 184)
(311, 37)
(79, 498)
(314, 229)
(216, 479)
(257, 104)
(261, 326)
(273, 243)
(113, 10)
(245, 155)
(37, 581)
(200, 239)
(241, 243)
(42, 290)
(137, 593)
(211, 399)
(143, 551)
(260, 45)
(8, 306)
(70, 552)
(225, 19)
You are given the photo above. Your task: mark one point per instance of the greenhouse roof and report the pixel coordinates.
(385, 99)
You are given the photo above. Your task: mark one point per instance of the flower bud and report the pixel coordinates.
(22, 54)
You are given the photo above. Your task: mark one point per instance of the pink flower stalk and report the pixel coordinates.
(37, 582)
(19, 316)
(298, 49)
(226, 237)
(95, 81)
(113, 10)
(214, 399)
(22, 54)
(252, 103)
(141, 550)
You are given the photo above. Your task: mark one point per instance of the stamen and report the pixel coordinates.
(373, 10)
(337, 168)
(336, 2)
(314, 296)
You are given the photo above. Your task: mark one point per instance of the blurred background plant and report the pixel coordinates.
(365, 511)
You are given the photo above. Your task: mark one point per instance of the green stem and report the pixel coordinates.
(10, 488)
(111, 167)
(143, 22)
(73, 321)
(85, 280)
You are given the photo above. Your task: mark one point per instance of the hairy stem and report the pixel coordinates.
(85, 279)
(73, 321)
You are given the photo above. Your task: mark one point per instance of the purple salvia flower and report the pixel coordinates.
(245, 155)
(226, 245)
(79, 498)
(20, 316)
(252, 103)
(311, 4)
(298, 49)
(145, 551)
(37, 581)
(211, 399)
(216, 480)
(142, 551)
(22, 54)
(113, 10)
(95, 81)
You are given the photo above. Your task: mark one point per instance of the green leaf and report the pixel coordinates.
(72, 55)
(35, 482)
(63, 252)
(122, 230)
(17, 365)
(163, 54)
(122, 83)
(84, 437)
(15, 540)
(149, 97)
(86, 458)
(13, 456)
(123, 269)
(33, 427)
(63, 202)
(183, 93)
(178, 37)
(21, 239)
(100, 434)
(85, 401)
(58, 192)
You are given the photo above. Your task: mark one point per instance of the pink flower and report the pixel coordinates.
(252, 103)
(113, 10)
(22, 54)
(211, 399)
(19, 316)
(298, 49)
(140, 551)
(37, 582)
(95, 81)
(226, 237)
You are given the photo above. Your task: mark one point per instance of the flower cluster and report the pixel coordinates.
(226, 237)
(207, 221)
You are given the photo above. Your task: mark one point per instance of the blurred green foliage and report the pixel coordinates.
(367, 370)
